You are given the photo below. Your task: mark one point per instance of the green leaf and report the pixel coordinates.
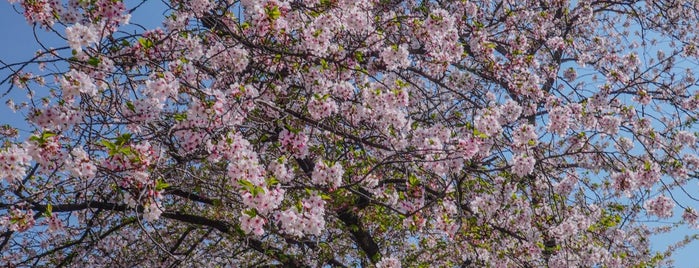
(272, 181)
(179, 117)
(123, 139)
(299, 206)
(256, 190)
(130, 106)
(47, 134)
(94, 61)
(250, 212)
(479, 134)
(49, 210)
(247, 185)
(106, 143)
(359, 56)
(273, 12)
(124, 150)
(161, 185)
(41, 140)
(413, 180)
(145, 43)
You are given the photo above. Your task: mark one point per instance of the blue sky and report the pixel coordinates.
(20, 44)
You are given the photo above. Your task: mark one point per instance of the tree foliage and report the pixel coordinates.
(352, 133)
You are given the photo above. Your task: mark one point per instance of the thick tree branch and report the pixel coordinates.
(361, 236)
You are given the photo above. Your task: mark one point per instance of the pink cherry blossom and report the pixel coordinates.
(294, 143)
(396, 57)
(660, 206)
(388, 263)
(690, 216)
(523, 165)
(316, 133)
(80, 36)
(252, 225)
(14, 161)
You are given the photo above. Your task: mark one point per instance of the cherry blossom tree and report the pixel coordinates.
(352, 133)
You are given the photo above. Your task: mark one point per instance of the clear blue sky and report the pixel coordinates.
(20, 45)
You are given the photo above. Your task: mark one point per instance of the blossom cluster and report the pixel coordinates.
(13, 163)
(80, 36)
(327, 175)
(660, 206)
(80, 165)
(18, 219)
(294, 143)
(308, 219)
(506, 133)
